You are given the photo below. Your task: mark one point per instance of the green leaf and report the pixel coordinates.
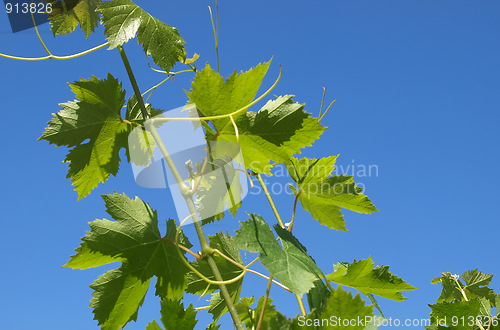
(458, 315)
(214, 97)
(225, 244)
(317, 297)
(477, 283)
(450, 291)
(218, 306)
(250, 316)
(153, 326)
(85, 258)
(323, 194)
(141, 144)
(122, 19)
(96, 116)
(272, 135)
(280, 129)
(134, 239)
(175, 317)
(67, 14)
(134, 113)
(220, 188)
(341, 305)
(117, 296)
(228, 271)
(291, 265)
(281, 322)
(363, 276)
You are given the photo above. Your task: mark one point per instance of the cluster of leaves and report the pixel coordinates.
(467, 304)
(94, 128)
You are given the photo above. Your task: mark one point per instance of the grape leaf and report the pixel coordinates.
(341, 305)
(280, 129)
(462, 312)
(175, 317)
(225, 244)
(291, 265)
(477, 283)
(94, 116)
(122, 19)
(317, 297)
(214, 97)
(67, 14)
(450, 292)
(324, 195)
(363, 276)
(219, 189)
(218, 306)
(135, 240)
(250, 316)
(134, 113)
(153, 326)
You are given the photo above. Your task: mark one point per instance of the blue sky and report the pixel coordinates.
(417, 85)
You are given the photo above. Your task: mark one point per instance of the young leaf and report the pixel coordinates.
(220, 188)
(250, 316)
(363, 276)
(228, 270)
(214, 97)
(343, 306)
(67, 14)
(134, 239)
(94, 116)
(175, 317)
(477, 283)
(450, 291)
(323, 195)
(122, 19)
(291, 265)
(280, 129)
(218, 306)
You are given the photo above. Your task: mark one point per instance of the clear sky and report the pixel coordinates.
(417, 84)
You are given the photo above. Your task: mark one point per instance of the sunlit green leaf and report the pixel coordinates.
(364, 276)
(123, 19)
(323, 194)
(291, 265)
(67, 14)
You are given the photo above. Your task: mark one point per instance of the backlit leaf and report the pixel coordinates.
(323, 194)
(123, 19)
(363, 276)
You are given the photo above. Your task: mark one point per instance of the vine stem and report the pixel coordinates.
(270, 199)
(266, 297)
(205, 247)
(54, 57)
(215, 27)
(290, 227)
(278, 217)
